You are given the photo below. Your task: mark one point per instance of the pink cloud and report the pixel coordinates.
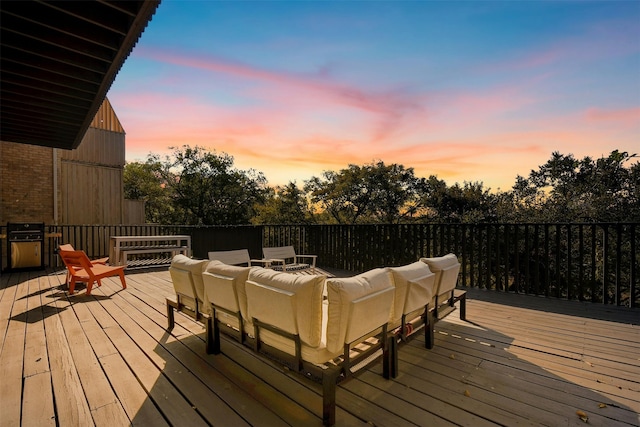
(390, 106)
(621, 117)
(296, 126)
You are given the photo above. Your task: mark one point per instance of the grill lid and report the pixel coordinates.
(25, 230)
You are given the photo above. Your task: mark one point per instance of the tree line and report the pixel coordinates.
(194, 186)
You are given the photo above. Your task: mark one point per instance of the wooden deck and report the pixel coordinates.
(108, 360)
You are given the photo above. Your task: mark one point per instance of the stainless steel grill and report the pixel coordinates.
(25, 244)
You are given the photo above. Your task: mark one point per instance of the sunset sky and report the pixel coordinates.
(464, 90)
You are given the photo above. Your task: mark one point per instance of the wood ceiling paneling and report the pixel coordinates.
(58, 60)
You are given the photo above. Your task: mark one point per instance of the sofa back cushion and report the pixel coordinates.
(414, 288)
(348, 297)
(288, 301)
(446, 269)
(186, 275)
(225, 286)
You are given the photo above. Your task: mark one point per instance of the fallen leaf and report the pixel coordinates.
(602, 405)
(466, 393)
(583, 416)
(453, 356)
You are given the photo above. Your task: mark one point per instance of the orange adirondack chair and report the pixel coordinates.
(80, 268)
(69, 247)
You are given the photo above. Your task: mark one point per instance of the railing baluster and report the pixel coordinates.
(522, 258)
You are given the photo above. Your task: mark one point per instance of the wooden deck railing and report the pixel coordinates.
(596, 262)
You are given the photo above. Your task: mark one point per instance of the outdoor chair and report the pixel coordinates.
(284, 258)
(69, 247)
(80, 269)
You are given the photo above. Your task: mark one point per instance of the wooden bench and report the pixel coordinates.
(173, 250)
(121, 247)
(238, 257)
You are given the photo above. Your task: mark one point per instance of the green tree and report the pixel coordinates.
(145, 181)
(468, 203)
(208, 190)
(370, 193)
(567, 189)
(284, 205)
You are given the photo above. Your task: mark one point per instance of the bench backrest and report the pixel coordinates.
(77, 263)
(446, 269)
(234, 257)
(281, 252)
(66, 247)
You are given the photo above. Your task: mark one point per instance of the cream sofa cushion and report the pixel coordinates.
(299, 298)
(342, 292)
(233, 297)
(180, 266)
(414, 288)
(317, 355)
(446, 269)
(439, 263)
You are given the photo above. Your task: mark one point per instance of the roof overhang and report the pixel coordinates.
(58, 61)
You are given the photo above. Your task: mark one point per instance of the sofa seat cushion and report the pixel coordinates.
(183, 267)
(288, 301)
(414, 289)
(343, 292)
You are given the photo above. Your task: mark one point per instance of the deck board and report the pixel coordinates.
(107, 359)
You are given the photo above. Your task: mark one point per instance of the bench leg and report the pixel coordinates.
(124, 283)
(90, 285)
(429, 333)
(213, 335)
(390, 358)
(463, 306)
(329, 385)
(170, 315)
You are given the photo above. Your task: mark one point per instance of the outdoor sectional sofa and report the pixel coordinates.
(328, 330)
